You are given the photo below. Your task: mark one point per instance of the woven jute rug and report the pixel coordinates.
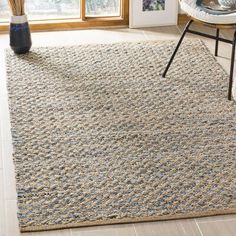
(100, 138)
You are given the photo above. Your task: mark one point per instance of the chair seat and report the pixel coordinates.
(191, 8)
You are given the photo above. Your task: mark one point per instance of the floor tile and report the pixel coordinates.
(227, 33)
(218, 228)
(216, 218)
(8, 172)
(162, 33)
(2, 207)
(11, 218)
(1, 156)
(87, 37)
(6, 146)
(114, 230)
(168, 228)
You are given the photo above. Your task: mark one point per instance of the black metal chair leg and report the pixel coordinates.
(217, 41)
(232, 67)
(177, 47)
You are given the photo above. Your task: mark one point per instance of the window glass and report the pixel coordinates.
(103, 7)
(4, 11)
(45, 9)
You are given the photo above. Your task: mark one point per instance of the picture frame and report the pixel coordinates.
(150, 13)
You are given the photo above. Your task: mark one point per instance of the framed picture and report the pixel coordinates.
(148, 13)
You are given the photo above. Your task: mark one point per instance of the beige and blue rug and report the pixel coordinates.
(100, 138)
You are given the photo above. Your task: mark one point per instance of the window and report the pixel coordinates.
(66, 9)
(52, 9)
(69, 14)
(4, 13)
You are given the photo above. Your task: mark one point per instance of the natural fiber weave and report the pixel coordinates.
(99, 137)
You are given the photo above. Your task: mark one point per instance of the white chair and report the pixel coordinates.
(218, 21)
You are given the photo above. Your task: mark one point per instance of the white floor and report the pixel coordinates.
(209, 226)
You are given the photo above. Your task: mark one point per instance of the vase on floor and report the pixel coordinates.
(20, 38)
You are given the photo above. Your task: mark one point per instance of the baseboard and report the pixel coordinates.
(183, 19)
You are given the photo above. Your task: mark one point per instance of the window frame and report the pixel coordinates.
(78, 23)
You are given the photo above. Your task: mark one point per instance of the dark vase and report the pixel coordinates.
(20, 38)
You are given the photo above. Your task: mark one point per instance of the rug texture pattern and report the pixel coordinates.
(99, 137)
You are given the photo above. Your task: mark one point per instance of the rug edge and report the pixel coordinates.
(127, 220)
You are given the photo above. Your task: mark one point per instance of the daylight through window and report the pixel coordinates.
(63, 9)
